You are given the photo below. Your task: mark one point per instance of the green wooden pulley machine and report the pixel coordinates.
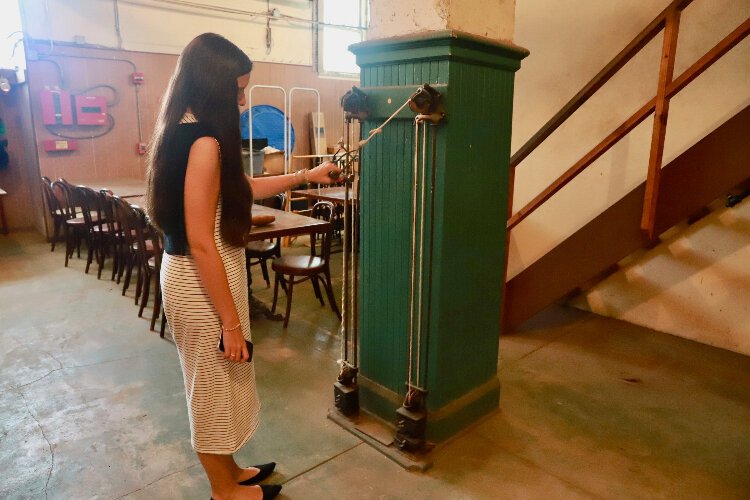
(427, 103)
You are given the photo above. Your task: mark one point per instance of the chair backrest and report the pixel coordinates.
(63, 196)
(53, 207)
(124, 217)
(322, 210)
(107, 211)
(88, 201)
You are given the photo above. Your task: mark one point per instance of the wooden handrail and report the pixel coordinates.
(620, 60)
(690, 74)
(661, 113)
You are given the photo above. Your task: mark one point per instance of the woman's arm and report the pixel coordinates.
(202, 188)
(265, 187)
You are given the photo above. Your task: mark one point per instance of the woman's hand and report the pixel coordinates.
(322, 173)
(234, 346)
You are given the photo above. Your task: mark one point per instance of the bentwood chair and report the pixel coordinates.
(258, 252)
(150, 261)
(136, 247)
(74, 229)
(96, 230)
(125, 220)
(55, 211)
(106, 233)
(294, 269)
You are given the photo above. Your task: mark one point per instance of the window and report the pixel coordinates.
(350, 18)
(11, 44)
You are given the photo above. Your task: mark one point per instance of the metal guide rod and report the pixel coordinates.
(250, 124)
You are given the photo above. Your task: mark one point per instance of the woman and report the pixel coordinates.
(199, 196)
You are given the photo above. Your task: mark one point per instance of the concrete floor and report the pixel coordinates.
(92, 406)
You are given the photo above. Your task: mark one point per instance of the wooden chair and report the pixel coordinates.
(258, 252)
(314, 267)
(106, 233)
(126, 221)
(74, 228)
(150, 264)
(124, 237)
(96, 229)
(136, 246)
(55, 211)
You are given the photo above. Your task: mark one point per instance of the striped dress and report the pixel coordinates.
(223, 406)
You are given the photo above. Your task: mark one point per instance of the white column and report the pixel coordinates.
(493, 19)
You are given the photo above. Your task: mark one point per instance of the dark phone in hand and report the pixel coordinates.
(248, 344)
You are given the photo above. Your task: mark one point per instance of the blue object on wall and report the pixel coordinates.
(268, 122)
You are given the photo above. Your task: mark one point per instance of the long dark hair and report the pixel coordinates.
(204, 82)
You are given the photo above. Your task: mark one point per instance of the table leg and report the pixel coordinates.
(3, 222)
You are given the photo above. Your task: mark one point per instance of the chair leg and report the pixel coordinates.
(146, 288)
(138, 282)
(289, 302)
(116, 261)
(264, 270)
(68, 245)
(56, 232)
(122, 265)
(157, 304)
(276, 282)
(102, 256)
(128, 272)
(329, 292)
(163, 323)
(90, 251)
(316, 289)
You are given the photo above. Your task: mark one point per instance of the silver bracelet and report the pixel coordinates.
(303, 173)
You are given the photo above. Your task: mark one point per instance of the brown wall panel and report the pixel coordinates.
(114, 155)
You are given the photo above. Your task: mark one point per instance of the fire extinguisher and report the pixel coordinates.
(4, 158)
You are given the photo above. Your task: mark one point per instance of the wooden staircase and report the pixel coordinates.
(709, 169)
(669, 195)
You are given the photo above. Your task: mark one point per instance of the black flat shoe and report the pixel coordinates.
(264, 471)
(270, 490)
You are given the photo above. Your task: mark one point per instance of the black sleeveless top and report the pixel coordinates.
(175, 236)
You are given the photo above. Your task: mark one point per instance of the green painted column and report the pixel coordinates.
(464, 250)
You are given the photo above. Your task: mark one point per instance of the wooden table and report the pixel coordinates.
(286, 224)
(3, 222)
(124, 187)
(332, 194)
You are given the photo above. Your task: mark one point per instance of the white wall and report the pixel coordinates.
(570, 41)
(158, 26)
